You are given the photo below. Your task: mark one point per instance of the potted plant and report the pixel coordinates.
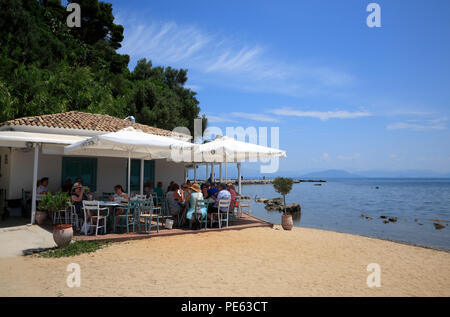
(283, 186)
(41, 213)
(62, 233)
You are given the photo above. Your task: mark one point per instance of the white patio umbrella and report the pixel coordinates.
(128, 143)
(225, 149)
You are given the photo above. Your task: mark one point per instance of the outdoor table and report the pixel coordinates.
(113, 205)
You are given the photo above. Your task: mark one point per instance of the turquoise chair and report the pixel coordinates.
(200, 204)
(164, 211)
(128, 218)
(146, 212)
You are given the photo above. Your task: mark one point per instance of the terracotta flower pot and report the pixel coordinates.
(40, 217)
(286, 222)
(62, 234)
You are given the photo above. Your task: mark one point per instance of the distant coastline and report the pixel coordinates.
(270, 181)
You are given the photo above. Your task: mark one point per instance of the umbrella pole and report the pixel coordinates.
(226, 173)
(195, 173)
(207, 172)
(129, 174)
(142, 177)
(35, 174)
(220, 172)
(239, 178)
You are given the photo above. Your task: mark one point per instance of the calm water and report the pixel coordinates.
(338, 204)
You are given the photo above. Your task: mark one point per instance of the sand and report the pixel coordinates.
(249, 262)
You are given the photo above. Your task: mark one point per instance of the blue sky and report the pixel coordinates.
(344, 95)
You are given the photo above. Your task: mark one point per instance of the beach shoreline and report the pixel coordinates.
(249, 262)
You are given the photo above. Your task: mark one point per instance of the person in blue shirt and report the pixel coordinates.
(158, 189)
(212, 191)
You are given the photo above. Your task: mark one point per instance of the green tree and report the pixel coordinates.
(46, 67)
(283, 185)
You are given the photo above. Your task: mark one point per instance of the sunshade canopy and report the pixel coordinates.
(128, 143)
(227, 149)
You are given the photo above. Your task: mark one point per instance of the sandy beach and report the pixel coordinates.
(249, 262)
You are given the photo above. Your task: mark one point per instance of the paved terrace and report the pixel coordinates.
(246, 221)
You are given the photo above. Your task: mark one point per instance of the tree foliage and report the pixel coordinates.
(283, 185)
(46, 67)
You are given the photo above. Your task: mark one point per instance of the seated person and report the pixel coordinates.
(43, 187)
(80, 180)
(212, 191)
(173, 200)
(204, 188)
(148, 189)
(223, 194)
(67, 188)
(169, 188)
(78, 195)
(158, 190)
(195, 194)
(230, 188)
(119, 195)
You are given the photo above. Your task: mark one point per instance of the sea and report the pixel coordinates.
(342, 205)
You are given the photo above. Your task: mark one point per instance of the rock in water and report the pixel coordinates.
(393, 219)
(438, 226)
(368, 218)
(385, 221)
(292, 208)
(383, 217)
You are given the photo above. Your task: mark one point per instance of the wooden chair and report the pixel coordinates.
(146, 212)
(92, 209)
(127, 219)
(164, 210)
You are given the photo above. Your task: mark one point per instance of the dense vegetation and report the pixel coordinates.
(47, 67)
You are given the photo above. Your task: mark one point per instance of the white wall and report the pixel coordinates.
(110, 172)
(5, 168)
(168, 171)
(21, 174)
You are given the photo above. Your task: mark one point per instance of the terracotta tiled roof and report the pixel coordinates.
(83, 121)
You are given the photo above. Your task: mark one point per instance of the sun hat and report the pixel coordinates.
(195, 187)
(77, 185)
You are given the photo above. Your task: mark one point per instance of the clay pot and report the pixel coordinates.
(286, 222)
(62, 234)
(40, 217)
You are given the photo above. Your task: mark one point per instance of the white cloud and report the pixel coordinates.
(416, 125)
(255, 117)
(322, 115)
(219, 119)
(324, 157)
(233, 62)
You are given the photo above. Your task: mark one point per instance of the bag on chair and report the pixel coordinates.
(85, 228)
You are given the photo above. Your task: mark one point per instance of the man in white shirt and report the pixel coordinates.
(223, 194)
